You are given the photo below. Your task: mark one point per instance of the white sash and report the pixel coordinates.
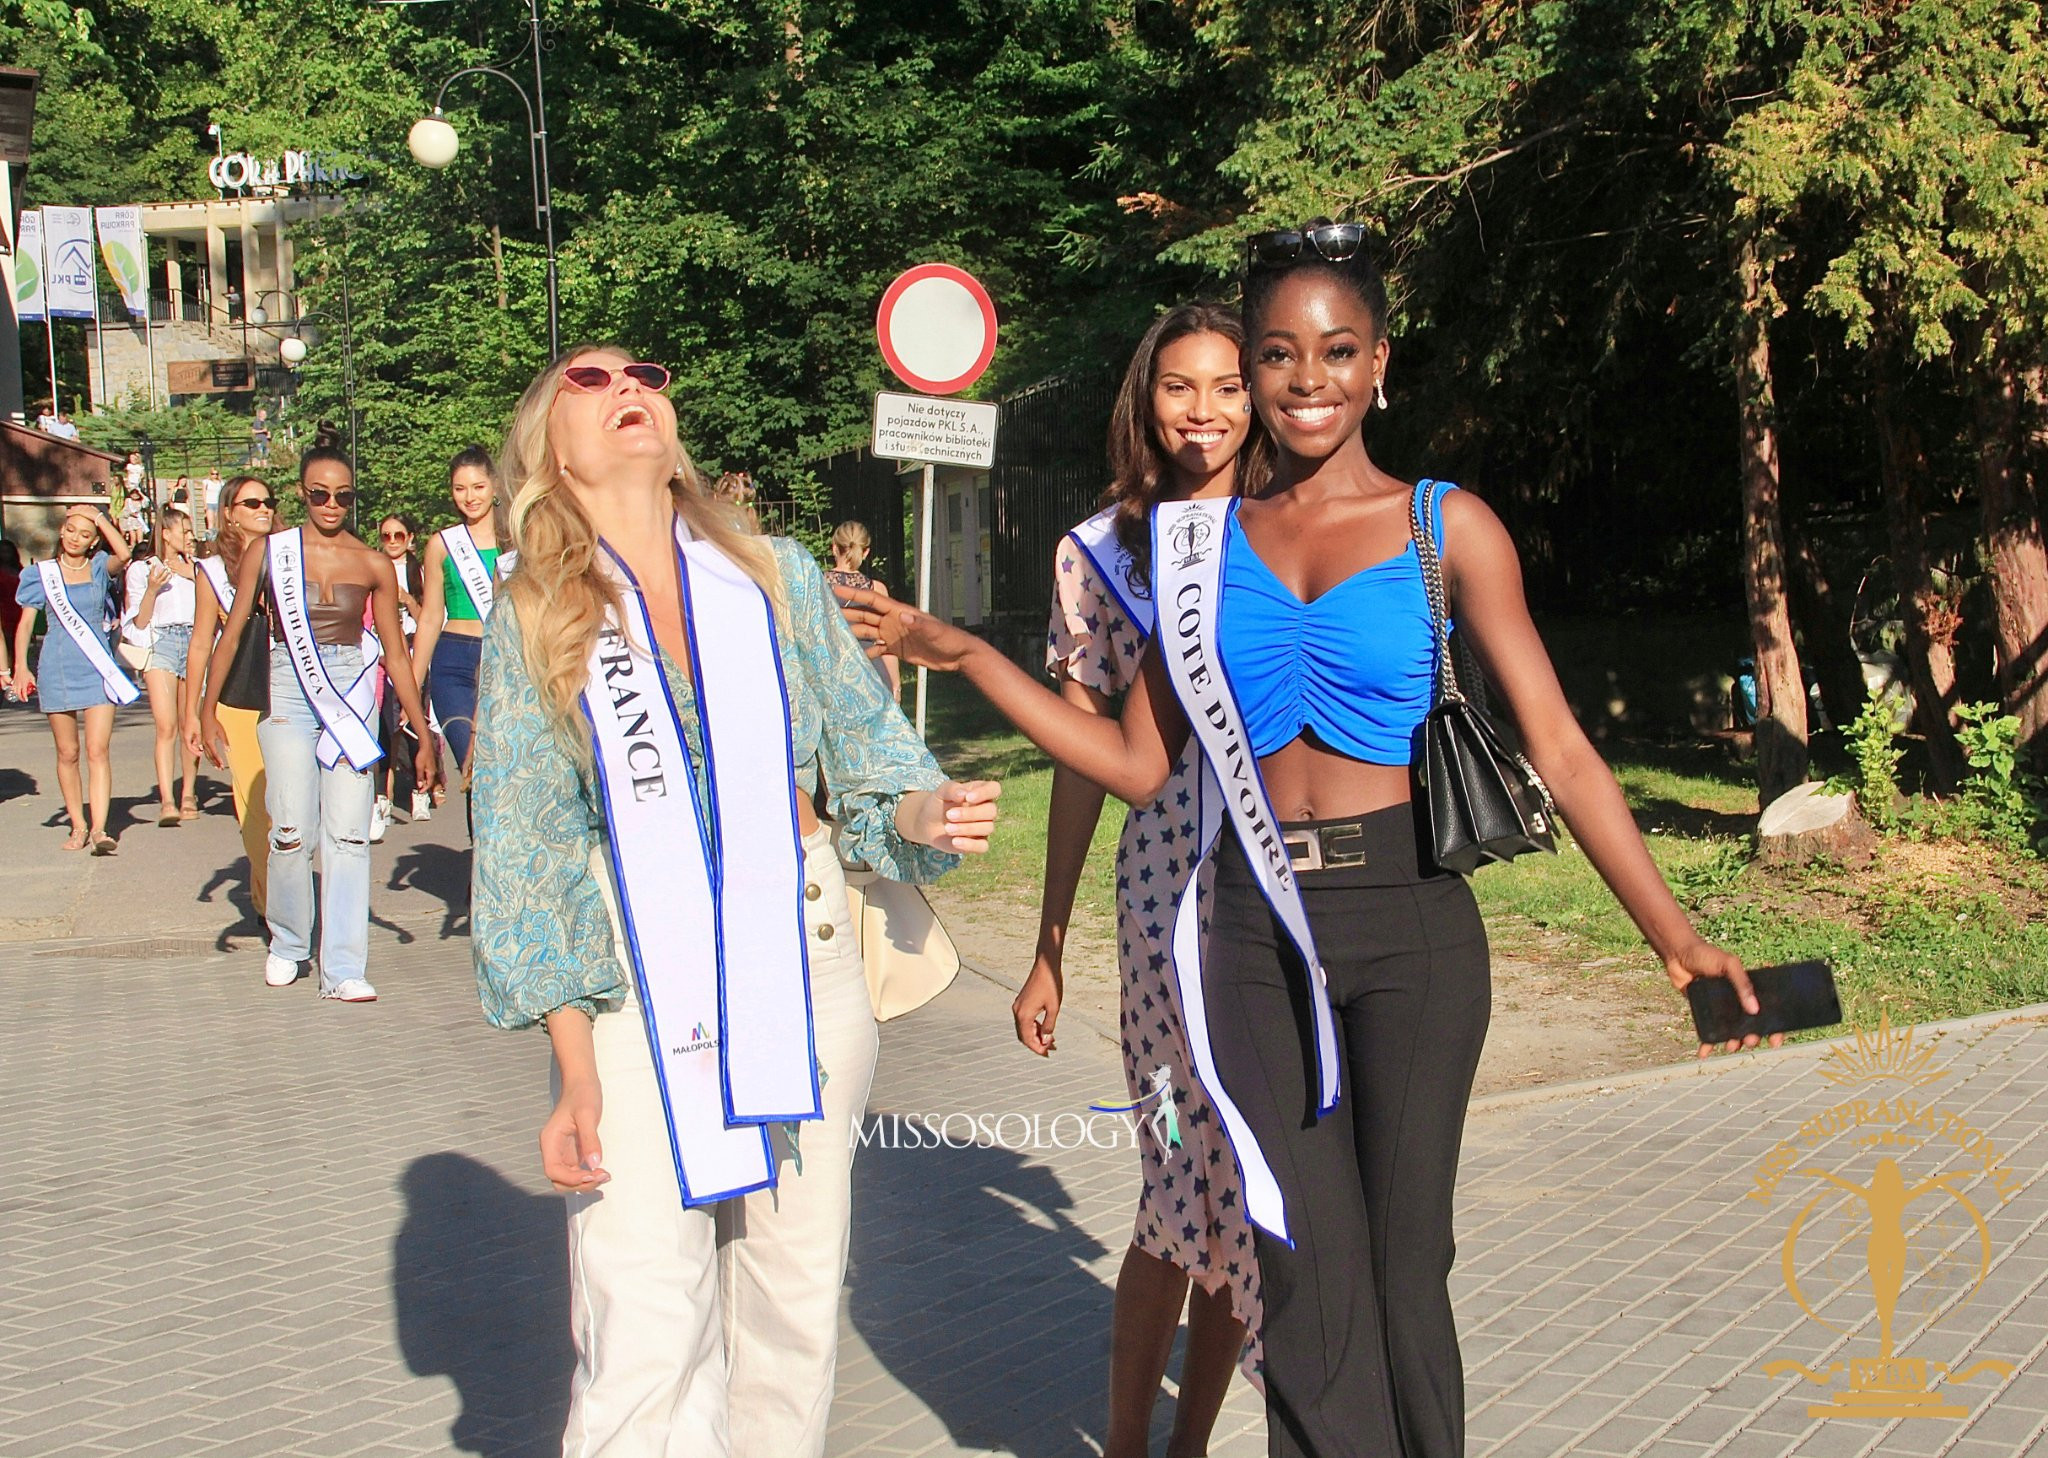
(1187, 566)
(223, 585)
(711, 903)
(120, 688)
(345, 715)
(469, 566)
(1097, 539)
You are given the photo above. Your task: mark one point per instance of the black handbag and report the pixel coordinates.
(247, 684)
(1484, 801)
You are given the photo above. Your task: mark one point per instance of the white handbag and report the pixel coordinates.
(904, 947)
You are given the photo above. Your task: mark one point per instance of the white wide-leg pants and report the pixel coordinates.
(713, 1332)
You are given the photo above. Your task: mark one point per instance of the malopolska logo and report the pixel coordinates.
(700, 1038)
(1852, 1242)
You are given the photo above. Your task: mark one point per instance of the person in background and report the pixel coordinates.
(46, 420)
(65, 427)
(77, 677)
(736, 489)
(851, 544)
(160, 603)
(394, 536)
(134, 515)
(246, 520)
(259, 438)
(10, 610)
(319, 738)
(210, 487)
(460, 576)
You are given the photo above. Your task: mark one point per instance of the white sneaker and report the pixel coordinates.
(350, 989)
(280, 971)
(422, 806)
(380, 819)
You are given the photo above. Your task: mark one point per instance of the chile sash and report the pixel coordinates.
(120, 688)
(710, 888)
(1187, 566)
(223, 585)
(1097, 539)
(345, 714)
(469, 566)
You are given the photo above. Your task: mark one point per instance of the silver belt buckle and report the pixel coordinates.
(1336, 837)
(1304, 849)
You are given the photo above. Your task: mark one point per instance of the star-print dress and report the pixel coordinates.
(1191, 1211)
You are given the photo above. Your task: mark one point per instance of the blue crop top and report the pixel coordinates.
(1356, 668)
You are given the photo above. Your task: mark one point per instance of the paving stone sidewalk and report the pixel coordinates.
(237, 1220)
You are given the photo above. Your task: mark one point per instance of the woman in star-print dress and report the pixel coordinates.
(1179, 430)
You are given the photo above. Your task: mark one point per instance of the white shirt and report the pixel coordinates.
(174, 603)
(210, 489)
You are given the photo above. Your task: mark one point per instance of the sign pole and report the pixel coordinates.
(924, 576)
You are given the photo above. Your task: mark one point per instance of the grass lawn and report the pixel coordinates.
(1930, 930)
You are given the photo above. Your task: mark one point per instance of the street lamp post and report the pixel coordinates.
(292, 348)
(434, 142)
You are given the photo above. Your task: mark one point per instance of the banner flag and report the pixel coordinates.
(127, 255)
(28, 269)
(71, 278)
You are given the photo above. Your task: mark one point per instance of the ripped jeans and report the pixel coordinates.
(305, 800)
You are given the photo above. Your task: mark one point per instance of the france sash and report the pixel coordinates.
(710, 888)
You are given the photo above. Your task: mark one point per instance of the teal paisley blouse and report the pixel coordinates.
(538, 927)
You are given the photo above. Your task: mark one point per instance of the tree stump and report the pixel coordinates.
(1809, 824)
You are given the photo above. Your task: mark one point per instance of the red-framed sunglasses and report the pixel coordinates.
(592, 378)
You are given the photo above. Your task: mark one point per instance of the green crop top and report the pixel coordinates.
(455, 594)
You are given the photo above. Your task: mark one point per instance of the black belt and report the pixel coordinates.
(1325, 847)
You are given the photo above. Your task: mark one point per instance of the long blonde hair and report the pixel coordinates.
(561, 594)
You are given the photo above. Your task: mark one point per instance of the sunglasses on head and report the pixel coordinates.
(257, 503)
(320, 496)
(593, 378)
(1331, 242)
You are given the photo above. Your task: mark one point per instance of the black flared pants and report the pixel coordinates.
(1361, 1354)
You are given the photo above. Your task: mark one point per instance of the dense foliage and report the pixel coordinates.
(1702, 296)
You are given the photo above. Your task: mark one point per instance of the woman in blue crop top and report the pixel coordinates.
(1322, 636)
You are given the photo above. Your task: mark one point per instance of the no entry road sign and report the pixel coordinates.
(937, 328)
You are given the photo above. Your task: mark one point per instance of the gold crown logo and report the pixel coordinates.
(1886, 1053)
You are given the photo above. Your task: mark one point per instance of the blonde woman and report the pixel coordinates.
(659, 695)
(851, 544)
(248, 512)
(161, 597)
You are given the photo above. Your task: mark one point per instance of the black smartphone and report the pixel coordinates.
(1790, 998)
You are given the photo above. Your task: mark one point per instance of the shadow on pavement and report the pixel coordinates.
(14, 784)
(480, 1280)
(970, 1285)
(441, 872)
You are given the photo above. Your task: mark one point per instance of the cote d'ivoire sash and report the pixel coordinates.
(223, 585)
(469, 566)
(345, 714)
(1187, 569)
(1097, 539)
(710, 894)
(120, 688)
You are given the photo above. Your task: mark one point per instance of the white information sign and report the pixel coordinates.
(942, 432)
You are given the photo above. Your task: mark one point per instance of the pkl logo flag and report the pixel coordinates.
(1164, 1120)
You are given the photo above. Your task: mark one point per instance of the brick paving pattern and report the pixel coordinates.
(236, 1220)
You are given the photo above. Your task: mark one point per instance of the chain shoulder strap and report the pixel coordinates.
(1421, 512)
